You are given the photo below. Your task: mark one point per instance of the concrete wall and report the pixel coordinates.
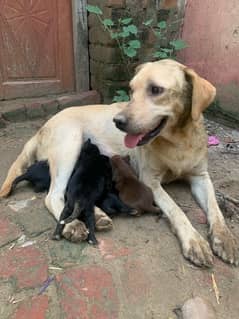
(211, 29)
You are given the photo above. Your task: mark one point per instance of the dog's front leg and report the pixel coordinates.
(194, 246)
(224, 243)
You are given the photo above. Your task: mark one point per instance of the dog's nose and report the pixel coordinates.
(120, 121)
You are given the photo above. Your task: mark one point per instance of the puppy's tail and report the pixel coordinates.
(23, 161)
(17, 180)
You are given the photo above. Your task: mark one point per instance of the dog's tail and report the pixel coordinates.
(23, 161)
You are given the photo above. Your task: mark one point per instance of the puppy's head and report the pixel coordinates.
(89, 149)
(163, 94)
(121, 168)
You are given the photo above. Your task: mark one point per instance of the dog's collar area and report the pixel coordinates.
(147, 137)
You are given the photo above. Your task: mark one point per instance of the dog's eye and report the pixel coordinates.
(156, 90)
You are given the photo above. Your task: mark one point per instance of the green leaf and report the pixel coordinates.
(178, 44)
(123, 34)
(93, 9)
(148, 22)
(121, 96)
(126, 21)
(135, 44)
(162, 25)
(114, 35)
(108, 22)
(131, 29)
(166, 50)
(160, 54)
(130, 52)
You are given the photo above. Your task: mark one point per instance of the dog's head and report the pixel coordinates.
(164, 94)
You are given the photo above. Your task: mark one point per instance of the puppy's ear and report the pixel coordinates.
(203, 93)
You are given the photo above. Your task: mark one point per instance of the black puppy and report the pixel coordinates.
(90, 184)
(38, 175)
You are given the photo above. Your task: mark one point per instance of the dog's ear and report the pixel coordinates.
(203, 93)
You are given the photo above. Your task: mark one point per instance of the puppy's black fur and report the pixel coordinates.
(90, 184)
(38, 175)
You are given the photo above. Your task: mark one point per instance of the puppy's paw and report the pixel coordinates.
(135, 212)
(198, 251)
(75, 231)
(102, 221)
(224, 244)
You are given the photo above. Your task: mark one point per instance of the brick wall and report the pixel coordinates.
(106, 71)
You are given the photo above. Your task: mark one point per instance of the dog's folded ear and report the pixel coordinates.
(203, 93)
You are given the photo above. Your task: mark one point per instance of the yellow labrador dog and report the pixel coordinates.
(161, 128)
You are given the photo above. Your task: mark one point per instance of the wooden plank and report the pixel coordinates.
(80, 40)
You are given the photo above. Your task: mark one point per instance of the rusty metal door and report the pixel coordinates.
(36, 48)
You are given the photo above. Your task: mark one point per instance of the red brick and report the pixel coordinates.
(88, 293)
(135, 281)
(8, 231)
(27, 265)
(198, 216)
(145, 4)
(85, 98)
(3, 122)
(168, 4)
(34, 110)
(116, 3)
(109, 250)
(34, 308)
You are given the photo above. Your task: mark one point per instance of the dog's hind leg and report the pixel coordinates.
(24, 160)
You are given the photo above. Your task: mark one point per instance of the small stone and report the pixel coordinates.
(198, 308)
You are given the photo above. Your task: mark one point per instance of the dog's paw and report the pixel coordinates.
(198, 251)
(75, 231)
(224, 244)
(102, 221)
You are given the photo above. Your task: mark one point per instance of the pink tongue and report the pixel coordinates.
(131, 141)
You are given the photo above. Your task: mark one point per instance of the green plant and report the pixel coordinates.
(121, 96)
(126, 35)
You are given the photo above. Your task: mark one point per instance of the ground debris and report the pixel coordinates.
(228, 204)
(196, 308)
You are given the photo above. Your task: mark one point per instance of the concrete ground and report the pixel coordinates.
(137, 272)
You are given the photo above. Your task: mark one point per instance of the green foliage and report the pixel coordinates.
(178, 44)
(108, 23)
(94, 9)
(125, 21)
(148, 22)
(125, 33)
(121, 96)
(162, 25)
